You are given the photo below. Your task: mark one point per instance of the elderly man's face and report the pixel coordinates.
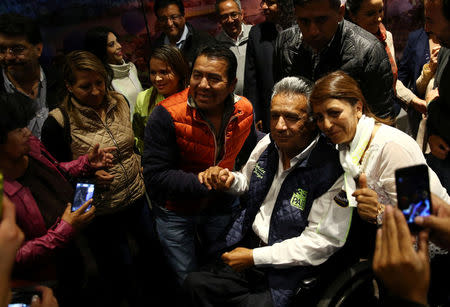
(436, 23)
(289, 125)
(230, 17)
(318, 22)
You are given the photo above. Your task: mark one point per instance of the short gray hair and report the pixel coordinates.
(238, 2)
(293, 85)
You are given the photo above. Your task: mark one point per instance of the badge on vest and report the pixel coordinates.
(341, 199)
(298, 199)
(259, 171)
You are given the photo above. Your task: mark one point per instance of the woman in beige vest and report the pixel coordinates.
(92, 114)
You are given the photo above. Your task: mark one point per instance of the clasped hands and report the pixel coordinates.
(216, 178)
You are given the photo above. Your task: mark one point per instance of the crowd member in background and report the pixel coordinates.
(103, 42)
(258, 75)
(405, 271)
(20, 49)
(204, 125)
(324, 42)
(234, 34)
(169, 74)
(437, 22)
(92, 113)
(37, 185)
(368, 14)
(284, 231)
(366, 145)
(419, 50)
(176, 31)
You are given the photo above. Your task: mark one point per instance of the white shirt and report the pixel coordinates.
(179, 44)
(328, 222)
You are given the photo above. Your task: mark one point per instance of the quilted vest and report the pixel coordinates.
(308, 180)
(195, 139)
(88, 130)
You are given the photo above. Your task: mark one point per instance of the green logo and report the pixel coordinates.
(259, 171)
(298, 199)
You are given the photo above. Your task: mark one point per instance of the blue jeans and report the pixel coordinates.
(441, 168)
(178, 234)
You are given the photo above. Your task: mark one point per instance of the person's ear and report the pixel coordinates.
(39, 47)
(359, 109)
(69, 87)
(232, 85)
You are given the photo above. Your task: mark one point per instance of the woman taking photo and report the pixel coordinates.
(103, 42)
(40, 191)
(91, 112)
(366, 145)
(169, 74)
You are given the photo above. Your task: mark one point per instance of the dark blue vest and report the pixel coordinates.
(309, 179)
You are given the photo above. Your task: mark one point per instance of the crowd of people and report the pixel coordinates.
(256, 159)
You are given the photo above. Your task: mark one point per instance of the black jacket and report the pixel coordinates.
(258, 76)
(194, 41)
(353, 50)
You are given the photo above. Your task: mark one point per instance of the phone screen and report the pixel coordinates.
(413, 192)
(83, 192)
(18, 305)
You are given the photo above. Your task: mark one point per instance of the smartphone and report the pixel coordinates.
(413, 193)
(83, 192)
(21, 297)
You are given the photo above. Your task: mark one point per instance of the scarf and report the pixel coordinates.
(121, 70)
(350, 155)
(381, 35)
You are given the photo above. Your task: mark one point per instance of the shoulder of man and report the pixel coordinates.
(357, 36)
(199, 34)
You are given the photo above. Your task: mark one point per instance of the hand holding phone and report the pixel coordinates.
(81, 217)
(413, 193)
(83, 192)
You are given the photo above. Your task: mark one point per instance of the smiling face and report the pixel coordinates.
(17, 55)
(289, 125)
(113, 50)
(338, 119)
(369, 16)
(231, 18)
(163, 77)
(209, 86)
(171, 22)
(89, 88)
(436, 23)
(318, 22)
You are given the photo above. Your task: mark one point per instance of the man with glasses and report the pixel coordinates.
(20, 49)
(258, 76)
(204, 125)
(234, 34)
(176, 31)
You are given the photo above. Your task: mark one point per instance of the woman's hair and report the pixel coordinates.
(339, 85)
(96, 41)
(80, 60)
(352, 6)
(16, 112)
(173, 58)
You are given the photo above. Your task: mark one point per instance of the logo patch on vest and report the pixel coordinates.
(259, 171)
(298, 199)
(341, 199)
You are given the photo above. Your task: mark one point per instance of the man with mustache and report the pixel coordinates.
(20, 49)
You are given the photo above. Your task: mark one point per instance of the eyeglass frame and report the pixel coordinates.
(13, 50)
(233, 15)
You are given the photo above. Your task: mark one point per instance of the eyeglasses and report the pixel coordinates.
(268, 3)
(165, 19)
(233, 15)
(15, 50)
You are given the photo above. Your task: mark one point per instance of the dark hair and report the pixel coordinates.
(335, 4)
(353, 6)
(18, 25)
(286, 14)
(221, 51)
(173, 57)
(16, 112)
(339, 85)
(96, 41)
(160, 4)
(446, 9)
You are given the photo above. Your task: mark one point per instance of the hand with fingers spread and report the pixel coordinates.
(101, 157)
(216, 178)
(438, 223)
(79, 218)
(368, 205)
(404, 271)
(47, 300)
(239, 258)
(103, 178)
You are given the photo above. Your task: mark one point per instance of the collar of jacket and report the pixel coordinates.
(110, 101)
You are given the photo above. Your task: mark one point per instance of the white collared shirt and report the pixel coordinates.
(328, 223)
(179, 44)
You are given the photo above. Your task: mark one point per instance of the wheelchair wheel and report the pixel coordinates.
(354, 287)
